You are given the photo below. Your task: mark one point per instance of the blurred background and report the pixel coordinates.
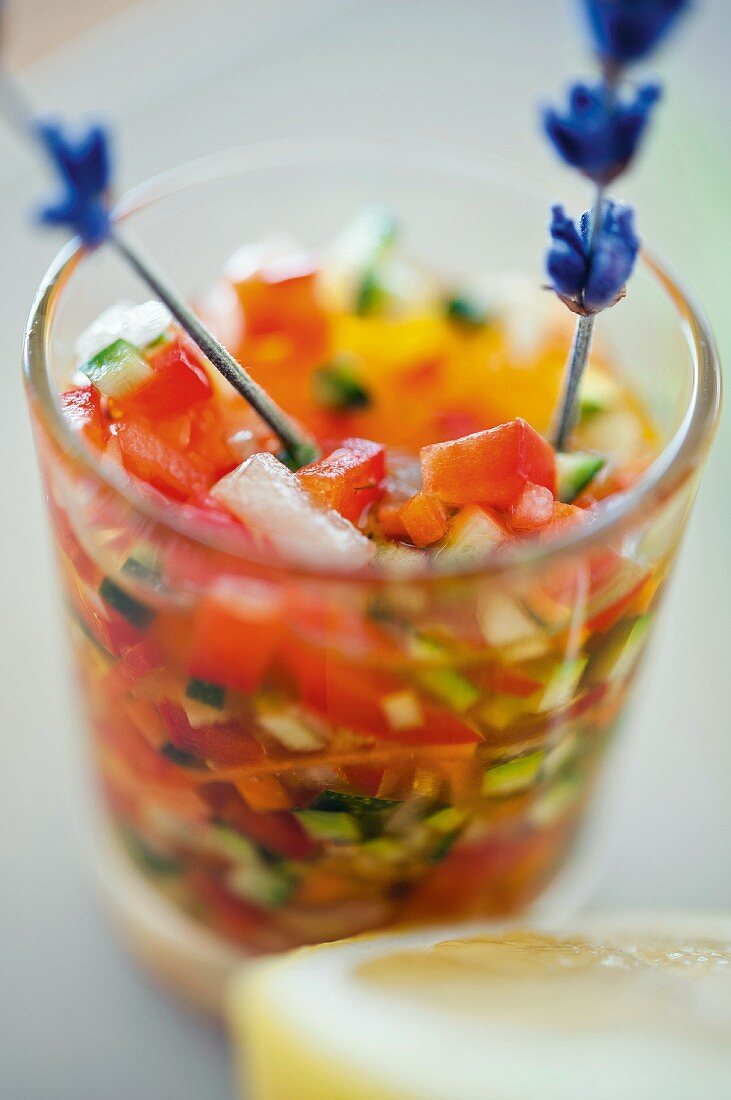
(182, 79)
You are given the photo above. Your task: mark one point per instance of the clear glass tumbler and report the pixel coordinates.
(297, 813)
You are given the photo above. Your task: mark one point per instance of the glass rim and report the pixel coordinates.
(669, 470)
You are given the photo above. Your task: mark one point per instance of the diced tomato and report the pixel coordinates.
(277, 831)
(349, 478)
(608, 616)
(145, 763)
(349, 695)
(179, 382)
(441, 727)
(510, 681)
(147, 456)
(565, 518)
(68, 543)
(82, 408)
(208, 445)
(223, 744)
(389, 520)
(281, 298)
(345, 693)
(238, 628)
(142, 658)
(110, 629)
(425, 519)
(264, 792)
(364, 778)
(585, 702)
(490, 467)
(231, 915)
(533, 509)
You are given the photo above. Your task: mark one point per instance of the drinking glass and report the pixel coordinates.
(299, 803)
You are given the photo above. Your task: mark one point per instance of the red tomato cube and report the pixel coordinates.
(425, 519)
(237, 632)
(82, 409)
(281, 298)
(533, 509)
(490, 467)
(148, 456)
(277, 831)
(349, 478)
(178, 383)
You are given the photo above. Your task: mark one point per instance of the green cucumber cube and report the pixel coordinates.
(118, 370)
(341, 828)
(563, 685)
(575, 471)
(336, 386)
(466, 312)
(211, 695)
(125, 605)
(512, 776)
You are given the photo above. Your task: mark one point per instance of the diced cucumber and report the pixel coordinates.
(563, 684)
(371, 295)
(560, 754)
(444, 846)
(329, 825)
(182, 759)
(506, 625)
(398, 560)
(625, 580)
(466, 312)
(140, 325)
(211, 695)
(118, 370)
(335, 386)
(512, 776)
(291, 730)
(262, 884)
(619, 655)
(384, 848)
(403, 710)
(550, 614)
(148, 859)
(369, 815)
(632, 648)
(444, 682)
(227, 842)
(358, 805)
(598, 394)
(350, 275)
(473, 534)
(554, 803)
(500, 711)
(575, 471)
(125, 605)
(446, 820)
(144, 565)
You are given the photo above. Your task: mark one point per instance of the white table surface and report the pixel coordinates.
(78, 1021)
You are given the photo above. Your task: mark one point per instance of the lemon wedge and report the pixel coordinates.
(611, 1008)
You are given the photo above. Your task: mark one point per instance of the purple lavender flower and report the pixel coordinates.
(83, 167)
(624, 31)
(590, 277)
(597, 135)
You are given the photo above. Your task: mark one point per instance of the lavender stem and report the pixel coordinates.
(16, 109)
(299, 447)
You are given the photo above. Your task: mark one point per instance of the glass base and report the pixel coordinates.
(196, 965)
(174, 949)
